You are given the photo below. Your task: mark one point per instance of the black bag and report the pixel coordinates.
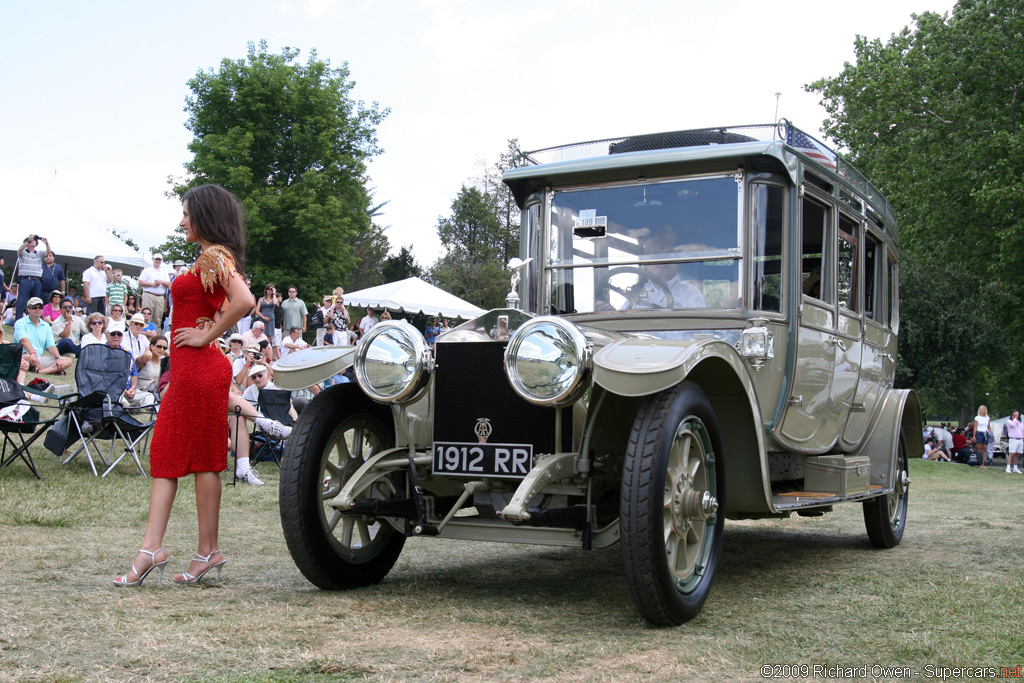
(316, 321)
(967, 456)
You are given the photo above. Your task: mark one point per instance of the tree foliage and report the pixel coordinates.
(401, 266)
(289, 141)
(933, 116)
(480, 236)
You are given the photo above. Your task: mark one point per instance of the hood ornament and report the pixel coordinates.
(515, 265)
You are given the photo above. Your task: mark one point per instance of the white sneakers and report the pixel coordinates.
(250, 478)
(1016, 470)
(274, 428)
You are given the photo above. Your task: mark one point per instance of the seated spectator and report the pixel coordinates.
(260, 376)
(131, 397)
(131, 306)
(148, 326)
(136, 342)
(149, 373)
(255, 334)
(76, 300)
(240, 367)
(51, 311)
(933, 451)
(944, 440)
(36, 338)
(68, 330)
(97, 324)
(117, 317)
(293, 342)
(236, 347)
(959, 440)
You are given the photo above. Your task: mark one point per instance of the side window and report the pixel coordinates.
(816, 266)
(874, 280)
(892, 292)
(846, 263)
(766, 213)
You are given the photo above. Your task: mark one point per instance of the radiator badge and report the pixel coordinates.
(483, 429)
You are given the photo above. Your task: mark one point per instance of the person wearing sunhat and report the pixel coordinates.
(236, 347)
(36, 338)
(135, 342)
(155, 283)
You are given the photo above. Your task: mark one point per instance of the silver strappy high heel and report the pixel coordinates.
(188, 578)
(123, 582)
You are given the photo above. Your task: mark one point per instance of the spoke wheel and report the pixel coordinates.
(329, 444)
(886, 516)
(672, 492)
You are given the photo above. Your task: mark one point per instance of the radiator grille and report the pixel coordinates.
(470, 383)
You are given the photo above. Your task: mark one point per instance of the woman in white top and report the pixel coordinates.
(149, 373)
(982, 434)
(97, 324)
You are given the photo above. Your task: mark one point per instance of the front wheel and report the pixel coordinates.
(673, 494)
(330, 442)
(886, 516)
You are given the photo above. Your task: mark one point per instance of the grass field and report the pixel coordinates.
(800, 591)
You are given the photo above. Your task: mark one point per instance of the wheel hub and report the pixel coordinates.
(689, 503)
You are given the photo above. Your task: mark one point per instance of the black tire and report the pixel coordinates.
(673, 462)
(886, 516)
(329, 442)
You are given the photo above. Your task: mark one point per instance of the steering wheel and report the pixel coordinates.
(634, 294)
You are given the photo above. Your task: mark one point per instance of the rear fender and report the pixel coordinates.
(901, 411)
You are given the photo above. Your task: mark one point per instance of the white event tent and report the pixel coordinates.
(75, 237)
(413, 295)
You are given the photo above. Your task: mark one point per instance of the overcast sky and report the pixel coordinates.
(96, 91)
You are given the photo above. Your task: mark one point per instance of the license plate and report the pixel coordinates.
(509, 460)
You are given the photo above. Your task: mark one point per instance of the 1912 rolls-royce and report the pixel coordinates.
(702, 325)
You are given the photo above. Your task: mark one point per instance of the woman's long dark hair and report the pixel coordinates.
(216, 216)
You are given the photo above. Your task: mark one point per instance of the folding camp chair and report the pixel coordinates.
(22, 418)
(95, 412)
(273, 404)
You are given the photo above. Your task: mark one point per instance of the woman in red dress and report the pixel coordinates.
(191, 433)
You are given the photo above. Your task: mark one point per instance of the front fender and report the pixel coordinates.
(639, 367)
(311, 366)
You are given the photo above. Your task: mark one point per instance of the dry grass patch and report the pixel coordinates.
(800, 590)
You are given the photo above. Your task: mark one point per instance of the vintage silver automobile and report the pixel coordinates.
(705, 328)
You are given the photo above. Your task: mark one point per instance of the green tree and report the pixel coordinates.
(933, 117)
(289, 141)
(401, 266)
(481, 235)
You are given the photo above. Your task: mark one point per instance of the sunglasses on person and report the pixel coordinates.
(96, 322)
(162, 347)
(65, 308)
(259, 375)
(135, 323)
(115, 334)
(34, 306)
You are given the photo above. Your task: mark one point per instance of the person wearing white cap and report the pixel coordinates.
(36, 338)
(154, 282)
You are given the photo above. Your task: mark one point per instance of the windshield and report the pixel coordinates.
(669, 245)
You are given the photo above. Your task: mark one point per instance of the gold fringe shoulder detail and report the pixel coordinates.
(214, 267)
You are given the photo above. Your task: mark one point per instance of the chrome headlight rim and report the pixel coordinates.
(419, 357)
(582, 349)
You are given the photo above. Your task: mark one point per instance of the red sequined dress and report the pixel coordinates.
(191, 433)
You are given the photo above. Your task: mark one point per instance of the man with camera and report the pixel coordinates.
(30, 270)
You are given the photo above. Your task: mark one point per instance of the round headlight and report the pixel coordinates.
(393, 362)
(548, 361)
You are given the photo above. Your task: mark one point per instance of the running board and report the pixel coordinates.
(794, 500)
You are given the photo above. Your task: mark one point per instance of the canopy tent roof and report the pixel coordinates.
(76, 238)
(413, 295)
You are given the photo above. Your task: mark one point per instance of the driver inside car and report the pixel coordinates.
(659, 285)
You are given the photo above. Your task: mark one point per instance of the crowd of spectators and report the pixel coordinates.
(112, 312)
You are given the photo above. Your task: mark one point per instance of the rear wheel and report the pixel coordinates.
(329, 443)
(672, 490)
(886, 516)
